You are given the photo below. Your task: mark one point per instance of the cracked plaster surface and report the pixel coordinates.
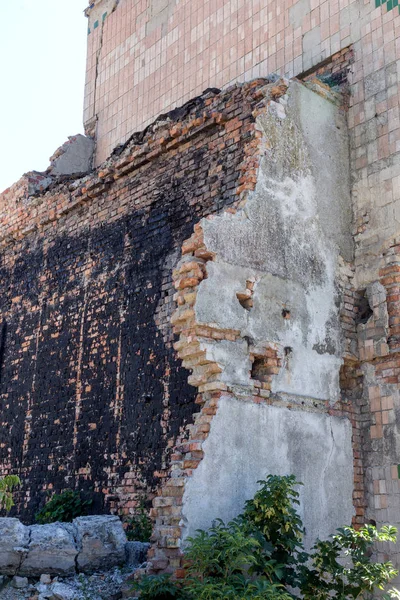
(288, 240)
(281, 239)
(259, 439)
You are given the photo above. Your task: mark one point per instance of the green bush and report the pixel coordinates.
(260, 555)
(7, 485)
(139, 525)
(64, 508)
(161, 587)
(341, 566)
(272, 514)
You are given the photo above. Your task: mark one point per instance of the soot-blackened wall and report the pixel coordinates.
(92, 392)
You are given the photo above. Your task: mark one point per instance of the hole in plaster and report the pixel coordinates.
(363, 309)
(351, 381)
(287, 352)
(286, 313)
(245, 298)
(260, 369)
(249, 340)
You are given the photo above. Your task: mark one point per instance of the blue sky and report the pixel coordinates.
(42, 66)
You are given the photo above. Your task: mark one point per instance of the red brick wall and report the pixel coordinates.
(93, 395)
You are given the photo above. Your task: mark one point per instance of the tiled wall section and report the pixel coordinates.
(151, 55)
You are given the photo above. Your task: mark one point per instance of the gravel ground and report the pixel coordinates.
(105, 585)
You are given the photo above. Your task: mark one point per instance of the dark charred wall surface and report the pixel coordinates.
(92, 392)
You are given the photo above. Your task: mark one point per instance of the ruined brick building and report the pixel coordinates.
(214, 295)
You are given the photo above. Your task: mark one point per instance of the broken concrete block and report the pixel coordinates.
(73, 158)
(101, 542)
(43, 590)
(37, 182)
(14, 538)
(19, 582)
(52, 550)
(62, 591)
(136, 553)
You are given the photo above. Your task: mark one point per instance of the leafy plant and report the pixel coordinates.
(222, 552)
(139, 525)
(341, 567)
(161, 587)
(260, 555)
(7, 485)
(237, 588)
(272, 513)
(63, 507)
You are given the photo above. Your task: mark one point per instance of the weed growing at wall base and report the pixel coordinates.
(7, 485)
(63, 507)
(260, 555)
(139, 525)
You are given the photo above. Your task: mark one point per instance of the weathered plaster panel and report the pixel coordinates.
(249, 441)
(326, 136)
(159, 12)
(74, 157)
(287, 239)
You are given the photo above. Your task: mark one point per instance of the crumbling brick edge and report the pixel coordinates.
(34, 210)
(166, 553)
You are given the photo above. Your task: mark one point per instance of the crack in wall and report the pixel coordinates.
(3, 337)
(331, 452)
(31, 393)
(25, 551)
(92, 122)
(96, 76)
(79, 385)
